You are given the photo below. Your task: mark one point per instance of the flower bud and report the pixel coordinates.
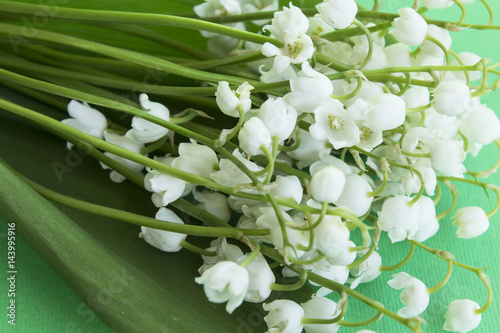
(451, 98)
(414, 295)
(387, 112)
(471, 222)
(442, 35)
(327, 184)
(462, 316)
(338, 13)
(321, 308)
(261, 277)
(143, 130)
(278, 117)
(161, 239)
(447, 156)
(284, 316)
(409, 28)
(398, 218)
(229, 100)
(253, 136)
(332, 235)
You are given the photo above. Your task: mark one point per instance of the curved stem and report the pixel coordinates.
(336, 319)
(193, 248)
(291, 287)
(445, 280)
(363, 28)
(378, 316)
(402, 263)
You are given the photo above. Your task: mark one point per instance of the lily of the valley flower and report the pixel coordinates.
(332, 235)
(197, 159)
(284, 316)
(451, 98)
(398, 218)
(229, 100)
(471, 222)
(327, 184)
(164, 240)
(261, 277)
(279, 117)
(409, 28)
(338, 13)
(414, 295)
(85, 119)
(226, 281)
(437, 4)
(253, 136)
(321, 308)
(215, 203)
(144, 131)
(462, 316)
(442, 35)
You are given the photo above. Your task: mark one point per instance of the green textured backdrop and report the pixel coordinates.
(45, 303)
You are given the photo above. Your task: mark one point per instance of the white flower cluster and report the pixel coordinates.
(359, 149)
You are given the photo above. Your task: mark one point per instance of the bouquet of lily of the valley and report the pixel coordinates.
(296, 155)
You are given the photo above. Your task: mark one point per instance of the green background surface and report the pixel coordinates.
(45, 303)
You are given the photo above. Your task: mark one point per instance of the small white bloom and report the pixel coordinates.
(468, 59)
(309, 90)
(226, 281)
(196, 159)
(416, 96)
(166, 188)
(288, 187)
(321, 308)
(414, 295)
(398, 55)
(334, 123)
(295, 51)
(451, 98)
(355, 195)
(471, 222)
(85, 119)
(164, 240)
(279, 117)
(224, 252)
(327, 184)
(368, 270)
(284, 316)
(123, 142)
(398, 218)
(378, 59)
(214, 203)
(288, 23)
(338, 13)
(230, 175)
(480, 124)
(261, 277)
(144, 131)
(462, 316)
(254, 6)
(217, 8)
(335, 273)
(437, 4)
(253, 135)
(332, 235)
(428, 224)
(387, 112)
(442, 35)
(228, 100)
(409, 28)
(447, 156)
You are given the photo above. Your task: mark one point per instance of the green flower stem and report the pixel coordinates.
(324, 208)
(154, 146)
(457, 57)
(193, 248)
(343, 34)
(485, 279)
(420, 155)
(336, 319)
(462, 8)
(122, 54)
(493, 169)
(309, 246)
(402, 263)
(497, 206)
(332, 63)
(140, 219)
(295, 145)
(353, 93)
(406, 86)
(281, 221)
(271, 158)
(484, 82)
(490, 11)
(291, 287)
(438, 195)
(420, 191)
(382, 187)
(361, 260)
(418, 109)
(378, 316)
(137, 18)
(312, 261)
(255, 16)
(146, 33)
(368, 35)
(454, 194)
(242, 58)
(469, 181)
(120, 83)
(234, 131)
(445, 280)
(255, 252)
(57, 102)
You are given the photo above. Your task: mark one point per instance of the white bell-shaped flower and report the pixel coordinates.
(212, 8)
(451, 98)
(398, 218)
(144, 131)
(226, 281)
(471, 222)
(377, 60)
(409, 28)
(368, 270)
(442, 35)
(355, 195)
(124, 142)
(414, 295)
(215, 203)
(161, 239)
(338, 13)
(196, 159)
(339, 274)
(309, 150)
(287, 187)
(437, 4)
(85, 119)
(345, 257)
(261, 277)
(416, 96)
(387, 112)
(228, 100)
(279, 117)
(327, 184)
(253, 135)
(166, 188)
(447, 156)
(398, 55)
(230, 175)
(309, 90)
(295, 51)
(480, 124)
(321, 308)
(332, 235)
(288, 23)
(461, 316)
(428, 224)
(334, 123)
(467, 59)
(284, 316)
(224, 252)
